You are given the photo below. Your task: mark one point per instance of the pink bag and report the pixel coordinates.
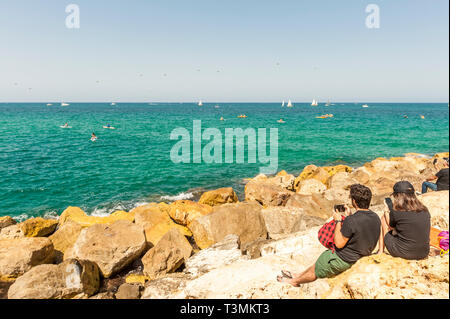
(443, 242)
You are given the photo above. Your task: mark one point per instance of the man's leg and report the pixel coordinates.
(426, 185)
(309, 275)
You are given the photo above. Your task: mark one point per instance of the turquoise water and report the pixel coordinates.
(44, 168)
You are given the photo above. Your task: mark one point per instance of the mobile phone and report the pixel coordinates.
(389, 203)
(339, 208)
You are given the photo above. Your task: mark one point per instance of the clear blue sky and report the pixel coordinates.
(172, 50)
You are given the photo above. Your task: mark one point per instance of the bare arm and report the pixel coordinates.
(339, 240)
(432, 178)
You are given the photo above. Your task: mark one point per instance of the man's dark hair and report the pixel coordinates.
(362, 195)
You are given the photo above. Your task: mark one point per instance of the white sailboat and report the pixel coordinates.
(65, 104)
(289, 104)
(282, 104)
(113, 103)
(200, 103)
(328, 103)
(314, 103)
(365, 105)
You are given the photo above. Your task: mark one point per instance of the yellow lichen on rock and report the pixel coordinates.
(332, 170)
(136, 279)
(219, 197)
(38, 227)
(77, 215)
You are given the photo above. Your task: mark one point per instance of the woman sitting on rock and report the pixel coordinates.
(405, 225)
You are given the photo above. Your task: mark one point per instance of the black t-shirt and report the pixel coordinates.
(363, 230)
(412, 239)
(442, 182)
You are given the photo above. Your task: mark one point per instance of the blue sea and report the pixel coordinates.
(45, 168)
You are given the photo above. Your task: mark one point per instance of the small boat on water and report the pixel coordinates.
(65, 104)
(315, 103)
(281, 121)
(325, 116)
(365, 105)
(282, 104)
(113, 104)
(242, 116)
(328, 103)
(49, 104)
(200, 103)
(290, 104)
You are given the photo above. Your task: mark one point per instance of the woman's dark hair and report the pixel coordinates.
(362, 195)
(408, 203)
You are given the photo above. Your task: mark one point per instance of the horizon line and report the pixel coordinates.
(212, 102)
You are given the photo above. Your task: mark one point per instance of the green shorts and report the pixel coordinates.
(330, 264)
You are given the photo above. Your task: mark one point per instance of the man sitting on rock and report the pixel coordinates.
(354, 238)
(442, 176)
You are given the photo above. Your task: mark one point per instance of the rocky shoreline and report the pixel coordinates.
(220, 247)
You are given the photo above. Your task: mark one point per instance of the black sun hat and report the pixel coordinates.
(404, 187)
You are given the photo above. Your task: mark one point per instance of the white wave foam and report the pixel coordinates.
(21, 217)
(106, 211)
(180, 196)
(51, 215)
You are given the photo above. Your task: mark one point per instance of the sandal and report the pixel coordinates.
(286, 274)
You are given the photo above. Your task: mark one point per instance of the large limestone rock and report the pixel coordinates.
(311, 172)
(321, 174)
(70, 279)
(168, 255)
(128, 291)
(111, 247)
(266, 194)
(438, 205)
(6, 221)
(165, 287)
(12, 232)
(77, 215)
(385, 277)
(284, 180)
(341, 180)
(218, 255)
(64, 238)
(286, 220)
(381, 188)
(184, 212)
(310, 186)
(242, 219)
(219, 197)
(17, 256)
(156, 222)
(316, 205)
(362, 175)
(38, 227)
